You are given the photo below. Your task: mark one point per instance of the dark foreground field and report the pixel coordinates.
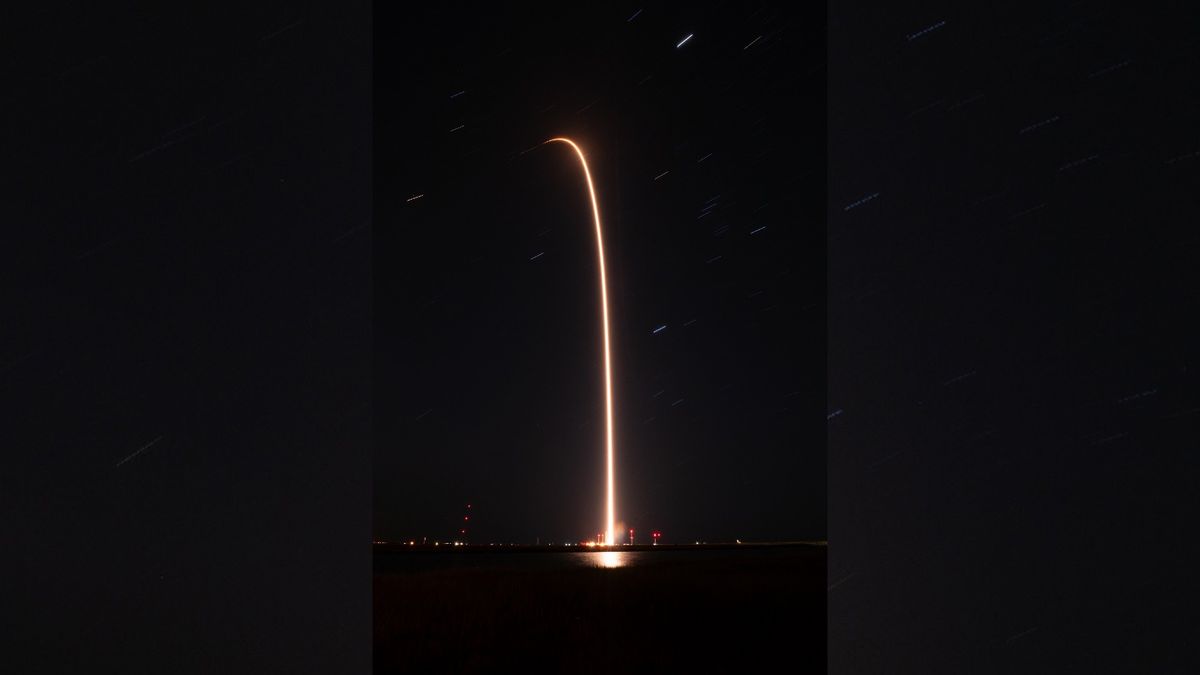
(738, 610)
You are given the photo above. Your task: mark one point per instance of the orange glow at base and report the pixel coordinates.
(610, 530)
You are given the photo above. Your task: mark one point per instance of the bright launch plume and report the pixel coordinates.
(609, 531)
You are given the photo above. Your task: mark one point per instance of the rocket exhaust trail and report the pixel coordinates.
(609, 531)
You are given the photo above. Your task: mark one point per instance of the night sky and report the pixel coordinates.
(1013, 344)
(952, 250)
(708, 160)
(185, 352)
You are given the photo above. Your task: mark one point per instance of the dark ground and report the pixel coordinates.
(742, 610)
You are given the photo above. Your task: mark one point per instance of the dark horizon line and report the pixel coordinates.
(404, 545)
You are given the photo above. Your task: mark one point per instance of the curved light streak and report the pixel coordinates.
(609, 532)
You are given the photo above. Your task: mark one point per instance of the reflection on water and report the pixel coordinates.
(607, 559)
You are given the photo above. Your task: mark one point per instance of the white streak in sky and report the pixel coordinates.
(862, 201)
(140, 451)
(931, 28)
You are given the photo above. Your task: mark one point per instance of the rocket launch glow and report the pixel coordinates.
(610, 531)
